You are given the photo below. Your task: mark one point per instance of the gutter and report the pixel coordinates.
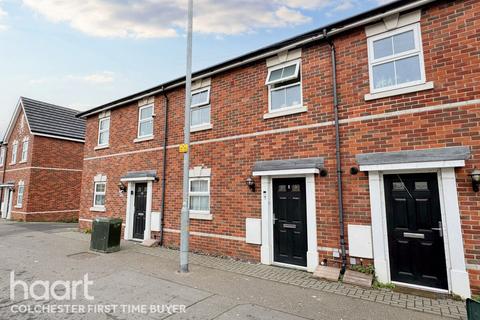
(333, 31)
(337, 153)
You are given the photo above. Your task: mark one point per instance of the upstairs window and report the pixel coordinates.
(396, 59)
(14, 152)
(2, 157)
(200, 195)
(24, 150)
(145, 122)
(104, 132)
(285, 86)
(200, 108)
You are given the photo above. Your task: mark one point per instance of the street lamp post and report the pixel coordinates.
(185, 219)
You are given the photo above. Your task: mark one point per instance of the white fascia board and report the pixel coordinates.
(13, 120)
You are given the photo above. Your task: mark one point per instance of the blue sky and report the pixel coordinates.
(82, 53)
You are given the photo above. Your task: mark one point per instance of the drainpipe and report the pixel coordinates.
(337, 148)
(164, 170)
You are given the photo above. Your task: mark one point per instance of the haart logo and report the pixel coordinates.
(46, 291)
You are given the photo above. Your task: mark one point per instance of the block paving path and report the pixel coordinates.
(445, 307)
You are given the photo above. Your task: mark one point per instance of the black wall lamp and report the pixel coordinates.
(250, 183)
(475, 175)
(323, 172)
(122, 187)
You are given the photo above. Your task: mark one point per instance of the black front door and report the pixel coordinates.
(140, 210)
(290, 221)
(415, 239)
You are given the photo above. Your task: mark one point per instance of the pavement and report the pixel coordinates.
(143, 283)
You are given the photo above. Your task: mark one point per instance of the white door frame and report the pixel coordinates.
(4, 203)
(267, 248)
(458, 280)
(7, 204)
(128, 234)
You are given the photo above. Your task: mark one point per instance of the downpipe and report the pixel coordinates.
(337, 152)
(164, 168)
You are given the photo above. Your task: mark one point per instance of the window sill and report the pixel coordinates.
(18, 207)
(21, 162)
(200, 216)
(143, 139)
(101, 147)
(396, 92)
(202, 127)
(98, 209)
(285, 112)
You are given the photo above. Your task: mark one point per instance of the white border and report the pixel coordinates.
(100, 132)
(140, 121)
(298, 74)
(128, 234)
(267, 249)
(411, 53)
(458, 280)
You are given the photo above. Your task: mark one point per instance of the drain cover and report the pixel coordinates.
(82, 255)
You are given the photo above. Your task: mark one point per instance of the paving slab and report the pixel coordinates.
(214, 288)
(253, 312)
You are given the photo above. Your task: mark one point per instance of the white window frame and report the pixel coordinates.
(281, 66)
(100, 132)
(14, 152)
(418, 51)
(2, 156)
(193, 194)
(25, 146)
(199, 106)
(20, 194)
(270, 85)
(95, 194)
(141, 121)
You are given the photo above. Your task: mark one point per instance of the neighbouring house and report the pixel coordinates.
(263, 181)
(41, 161)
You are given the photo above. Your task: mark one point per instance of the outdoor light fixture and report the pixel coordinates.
(250, 183)
(475, 175)
(122, 187)
(323, 172)
(354, 170)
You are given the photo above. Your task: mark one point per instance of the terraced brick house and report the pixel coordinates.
(267, 183)
(41, 161)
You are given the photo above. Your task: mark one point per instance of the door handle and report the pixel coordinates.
(413, 235)
(439, 229)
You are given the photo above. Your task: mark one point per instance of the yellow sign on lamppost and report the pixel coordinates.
(183, 148)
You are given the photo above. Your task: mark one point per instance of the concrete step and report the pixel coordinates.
(328, 273)
(358, 278)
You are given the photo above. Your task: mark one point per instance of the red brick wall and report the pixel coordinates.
(52, 176)
(239, 100)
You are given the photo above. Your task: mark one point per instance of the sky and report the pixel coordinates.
(83, 53)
